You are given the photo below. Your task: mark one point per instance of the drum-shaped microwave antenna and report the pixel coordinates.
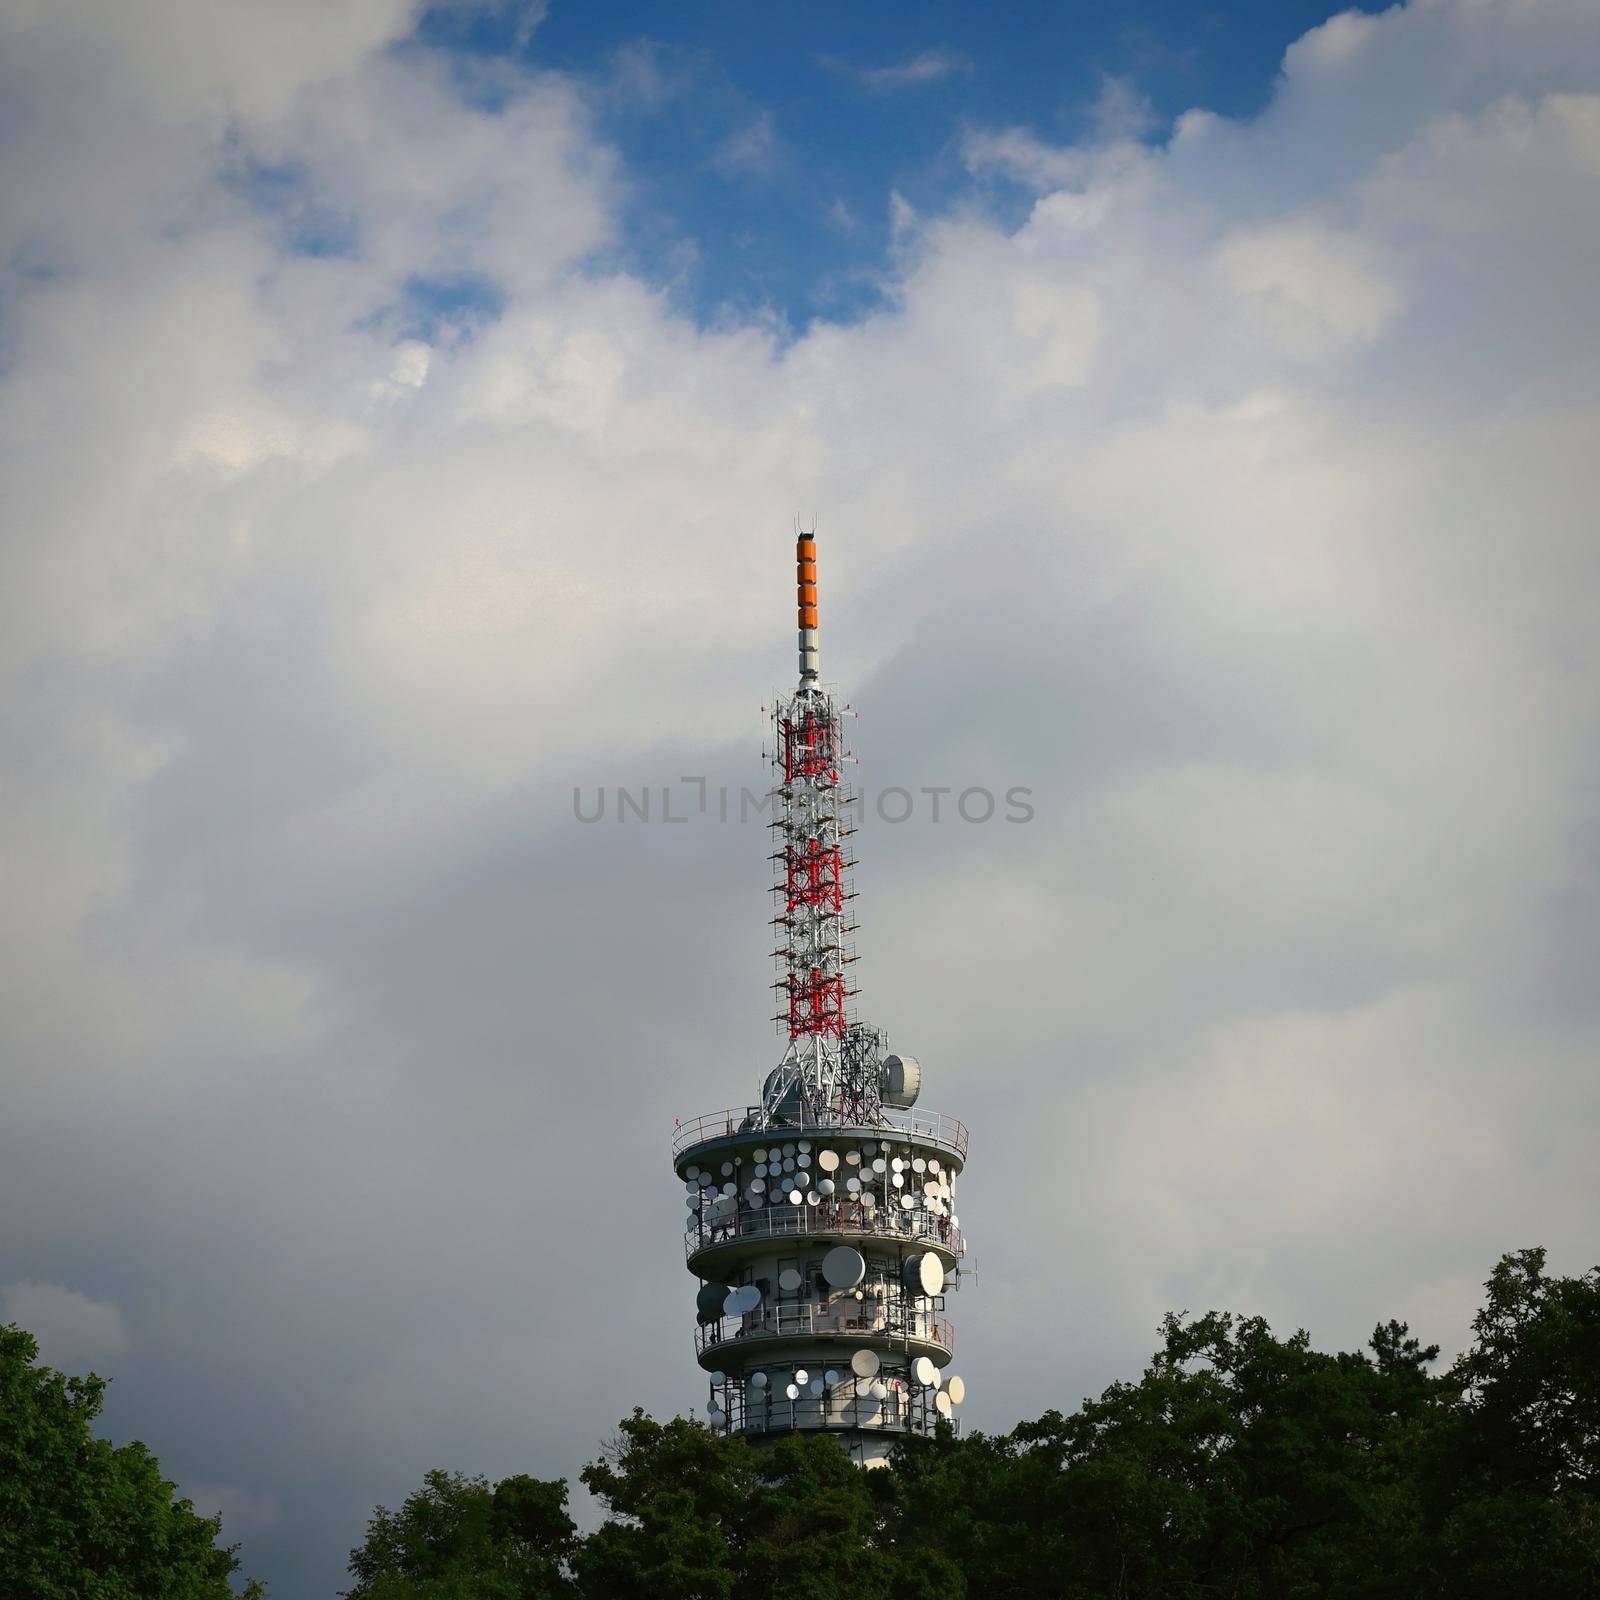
(900, 1081)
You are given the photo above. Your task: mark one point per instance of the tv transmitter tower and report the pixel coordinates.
(822, 1222)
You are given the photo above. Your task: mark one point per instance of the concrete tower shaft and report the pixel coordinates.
(822, 1225)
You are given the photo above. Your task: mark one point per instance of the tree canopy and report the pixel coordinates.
(82, 1519)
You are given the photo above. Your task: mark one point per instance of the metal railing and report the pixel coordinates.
(950, 1132)
(903, 1410)
(831, 1217)
(800, 1319)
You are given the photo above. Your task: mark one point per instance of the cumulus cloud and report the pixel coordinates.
(73, 1331)
(1236, 500)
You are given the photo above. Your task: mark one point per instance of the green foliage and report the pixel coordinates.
(458, 1539)
(81, 1519)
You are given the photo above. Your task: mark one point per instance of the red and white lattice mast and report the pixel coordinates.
(812, 820)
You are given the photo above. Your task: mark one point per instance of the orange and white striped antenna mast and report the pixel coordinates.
(805, 561)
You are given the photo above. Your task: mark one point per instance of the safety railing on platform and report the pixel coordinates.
(830, 1218)
(874, 1319)
(931, 1126)
(903, 1409)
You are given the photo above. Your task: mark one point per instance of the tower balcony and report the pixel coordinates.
(905, 1410)
(715, 1248)
(777, 1328)
(720, 1133)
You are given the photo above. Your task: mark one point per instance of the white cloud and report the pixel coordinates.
(74, 1333)
(915, 72)
(750, 151)
(1237, 500)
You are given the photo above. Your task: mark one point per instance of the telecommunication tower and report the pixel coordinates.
(822, 1223)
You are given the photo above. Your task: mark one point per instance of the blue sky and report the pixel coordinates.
(762, 142)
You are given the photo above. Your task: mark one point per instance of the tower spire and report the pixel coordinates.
(805, 561)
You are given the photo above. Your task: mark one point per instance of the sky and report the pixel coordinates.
(404, 416)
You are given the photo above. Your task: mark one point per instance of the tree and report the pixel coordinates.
(1240, 1464)
(1514, 1481)
(696, 1516)
(80, 1517)
(456, 1538)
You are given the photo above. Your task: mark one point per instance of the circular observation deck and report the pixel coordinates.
(904, 1409)
(777, 1329)
(713, 1247)
(740, 1128)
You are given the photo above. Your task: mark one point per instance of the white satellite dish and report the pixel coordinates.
(828, 1160)
(802, 1160)
(801, 1375)
(933, 1166)
(825, 1186)
(853, 1185)
(804, 1146)
(844, 1267)
(907, 1201)
(761, 1169)
(880, 1390)
(898, 1180)
(801, 1179)
(793, 1391)
(795, 1197)
(924, 1371)
(813, 1198)
(853, 1157)
(730, 1188)
(931, 1190)
(789, 1280)
(758, 1380)
(760, 1155)
(919, 1165)
(719, 1377)
(896, 1165)
(742, 1301)
(942, 1404)
(788, 1163)
(757, 1185)
(788, 1150)
(864, 1363)
(864, 1388)
(867, 1202)
(957, 1390)
(880, 1165)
